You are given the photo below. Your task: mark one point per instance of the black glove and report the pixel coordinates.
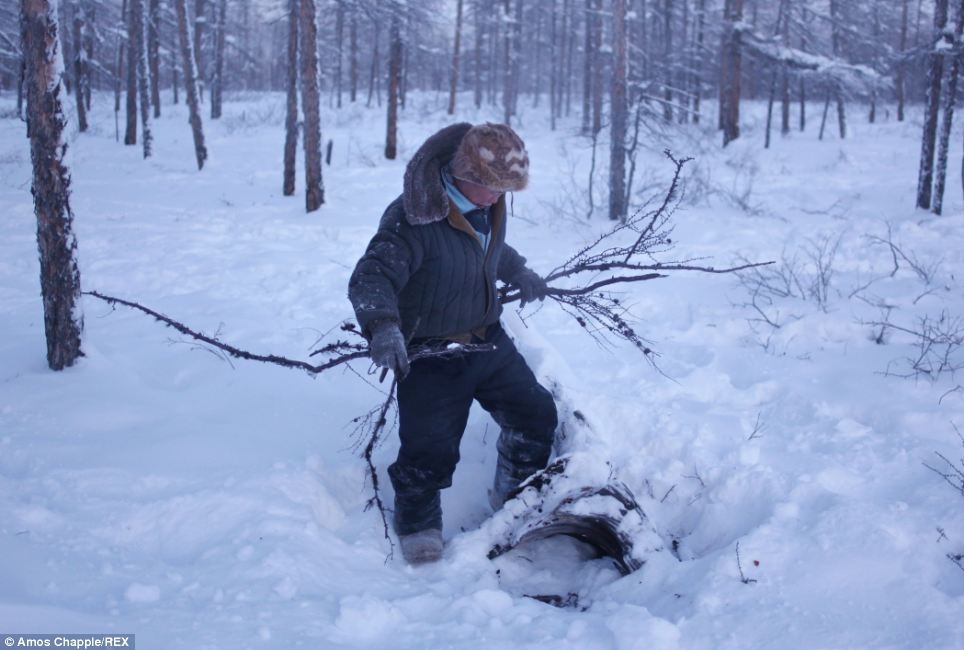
(531, 287)
(387, 348)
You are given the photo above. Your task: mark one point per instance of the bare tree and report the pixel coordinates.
(935, 71)
(311, 107)
(59, 274)
(130, 135)
(899, 82)
(456, 51)
(730, 70)
(138, 39)
(394, 79)
(217, 76)
(617, 151)
(291, 112)
(154, 53)
(189, 63)
(949, 99)
(81, 67)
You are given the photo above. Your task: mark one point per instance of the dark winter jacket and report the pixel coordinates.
(425, 267)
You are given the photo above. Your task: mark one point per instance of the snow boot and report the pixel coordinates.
(422, 547)
(507, 479)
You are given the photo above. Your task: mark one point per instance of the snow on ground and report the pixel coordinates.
(200, 502)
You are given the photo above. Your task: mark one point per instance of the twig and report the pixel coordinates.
(739, 565)
(374, 438)
(347, 351)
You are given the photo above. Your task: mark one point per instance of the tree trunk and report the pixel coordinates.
(291, 114)
(154, 54)
(311, 107)
(935, 70)
(80, 65)
(698, 62)
(339, 48)
(394, 77)
(588, 56)
(823, 120)
(553, 67)
(217, 78)
(189, 64)
(373, 77)
(617, 151)
(730, 61)
(770, 102)
(597, 80)
(899, 82)
(130, 136)
(477, 82)
(59, 274)
(353, 46)
(836, 44)
(949, 99)
(668, 55)
(454, 86)
(200, 6)
(511, 66)
(139, 54)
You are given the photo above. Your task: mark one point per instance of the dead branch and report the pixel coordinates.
(345, 350)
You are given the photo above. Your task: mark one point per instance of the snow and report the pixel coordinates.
(161, 489)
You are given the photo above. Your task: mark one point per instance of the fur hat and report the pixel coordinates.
(492, 155)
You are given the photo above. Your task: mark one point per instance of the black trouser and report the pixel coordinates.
(433, 407)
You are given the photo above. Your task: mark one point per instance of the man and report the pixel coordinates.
(428, 278)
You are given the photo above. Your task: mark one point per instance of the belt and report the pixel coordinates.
(463, 338)
(478, 334)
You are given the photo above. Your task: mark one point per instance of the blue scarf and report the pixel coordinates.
(475, 215)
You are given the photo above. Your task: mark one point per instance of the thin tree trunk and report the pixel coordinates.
(175, 84)
(339, 48)
(291, 114)
(154, 53)
(394, 77)
(454, 86)
(668, 56)
(189, 64)
(139, 50)
(374, 68)
(553, 67)
(597, 77)
(217, 78)
(900, 81)
(617, 150)
(59, 273)
(353, 46)
(80, 64)
(823, 120)
(838, 91)
(88, 46)
(508, 66)
(935, 71)
(770, 102)
(588, 55)
(477, 82)
(949, 99)
(200, 6)
(698, 62)
(730, 64)
(130, 136)
(311, 107)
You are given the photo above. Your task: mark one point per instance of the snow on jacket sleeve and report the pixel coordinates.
(392, 256)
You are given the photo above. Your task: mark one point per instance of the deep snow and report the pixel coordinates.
(200, 502)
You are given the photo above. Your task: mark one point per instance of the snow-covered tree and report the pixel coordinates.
(46, 125)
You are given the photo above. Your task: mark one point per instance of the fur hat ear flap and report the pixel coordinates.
(492, 155)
